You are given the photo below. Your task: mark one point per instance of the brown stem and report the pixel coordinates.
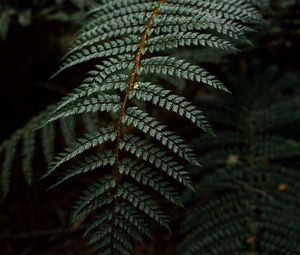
(125, 101)
(130, 87)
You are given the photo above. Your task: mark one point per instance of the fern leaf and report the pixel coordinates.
(28, 149)
(184, 39)
(134, 23)
(278, 115)
(214, 21)
(102, 201)
(129, 229)
(119, 27)
(10, 150)
(157, 157)
(149, 125)
(164, 98)
(96, 78)
(179, 68)
(117, 47)
(76, 148)
(230, 10)
(110, 13)
(132, 215)
(88, 164)
(48, 141)
(101, 218)
(93, 192)
(143, 202)
(109, 103)
(148, 177)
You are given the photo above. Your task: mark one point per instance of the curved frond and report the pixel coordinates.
(132, 43)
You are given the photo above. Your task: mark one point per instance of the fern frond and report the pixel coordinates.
(236, 227)
(133, 42)
(250, 194)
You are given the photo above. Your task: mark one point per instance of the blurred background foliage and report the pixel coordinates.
(34, 34)
(25, 13)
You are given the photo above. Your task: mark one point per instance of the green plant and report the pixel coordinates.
(247, 196)
(133, 41)
(30, 139)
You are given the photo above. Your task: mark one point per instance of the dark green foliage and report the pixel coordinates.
(29, 138)
(133, 42)
(24, 13)
(286, 17)
(248, 193)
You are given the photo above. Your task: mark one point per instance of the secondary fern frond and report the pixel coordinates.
(28, 148)
(250, 190)
(10, 150)
(28, 138)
